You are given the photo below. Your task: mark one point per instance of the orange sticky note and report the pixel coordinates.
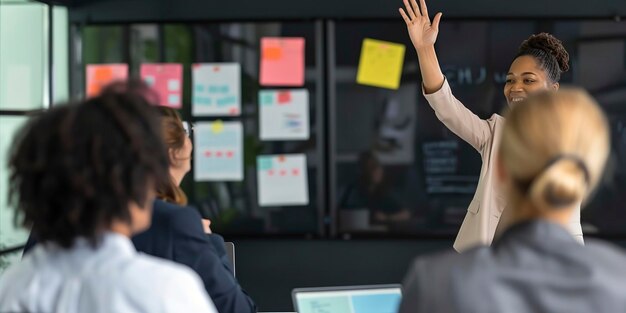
(273, 53)
(100, 75)
(282, 61)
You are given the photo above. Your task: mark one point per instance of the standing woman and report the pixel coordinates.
(538, 65)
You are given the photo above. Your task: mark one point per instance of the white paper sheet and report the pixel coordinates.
(282, 180)
(284, 114)
(216, 89)
(218, 151)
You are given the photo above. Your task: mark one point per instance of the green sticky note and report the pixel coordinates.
(264, 163)
(266, 97)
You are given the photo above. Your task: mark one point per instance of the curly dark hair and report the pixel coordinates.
(75, 169)
(549, 53)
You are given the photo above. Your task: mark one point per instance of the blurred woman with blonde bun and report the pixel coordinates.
(553, 150)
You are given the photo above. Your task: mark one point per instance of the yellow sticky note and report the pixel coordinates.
(380, 64)
(217, 127)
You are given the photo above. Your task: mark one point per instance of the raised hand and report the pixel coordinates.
(423, 34)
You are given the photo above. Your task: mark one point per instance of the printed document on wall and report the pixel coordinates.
(282, 180)
(218, 151)
(282, 61)
(100, 75)
(284, 114)
(167, 80)
(380, 64)
(216, 89)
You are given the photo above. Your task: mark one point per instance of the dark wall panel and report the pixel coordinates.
(109, 11)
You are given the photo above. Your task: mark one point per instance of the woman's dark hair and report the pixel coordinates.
(549, 52)
(174, 136)
(75, 169)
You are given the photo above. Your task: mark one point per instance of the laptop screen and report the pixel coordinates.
(353, 299)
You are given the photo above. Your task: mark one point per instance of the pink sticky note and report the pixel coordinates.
(282, 61)
(100, 75)
(167, 80)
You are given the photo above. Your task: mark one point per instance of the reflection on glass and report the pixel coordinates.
(423, 176)
(103, 44)
(61, 54)
(401, 171)
(23, 63)
(10, 234)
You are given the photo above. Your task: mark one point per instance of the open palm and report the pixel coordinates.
(421, 31)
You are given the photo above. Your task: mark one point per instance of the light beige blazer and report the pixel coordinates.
(485, 210)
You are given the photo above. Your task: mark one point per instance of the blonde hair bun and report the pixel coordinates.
(562, 184)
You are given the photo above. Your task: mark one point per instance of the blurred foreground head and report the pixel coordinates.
(553, 151)
(78, 168)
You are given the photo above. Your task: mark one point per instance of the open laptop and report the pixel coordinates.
(348, 299)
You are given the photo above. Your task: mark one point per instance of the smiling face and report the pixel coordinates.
(524, 78)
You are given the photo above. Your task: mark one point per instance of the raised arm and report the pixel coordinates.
(423, 35)
(450, 111)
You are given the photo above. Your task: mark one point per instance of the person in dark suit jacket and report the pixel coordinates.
(553, 150)
(177, 234)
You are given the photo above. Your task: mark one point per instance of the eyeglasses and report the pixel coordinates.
(188, 127)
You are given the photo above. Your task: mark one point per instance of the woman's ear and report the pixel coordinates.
(555, 86)
(172, 156)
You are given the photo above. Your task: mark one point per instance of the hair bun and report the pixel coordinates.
(562, 184)
(549, 44)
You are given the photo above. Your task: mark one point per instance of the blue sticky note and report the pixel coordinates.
(264, 163)
(225, 89)
(199, 88)
(149, 80)
(173, 99)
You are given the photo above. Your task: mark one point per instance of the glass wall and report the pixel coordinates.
(232, 206)
(24, 88)
(379, 162)
(400, 171)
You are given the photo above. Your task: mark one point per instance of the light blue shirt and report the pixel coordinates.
(111, 278)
